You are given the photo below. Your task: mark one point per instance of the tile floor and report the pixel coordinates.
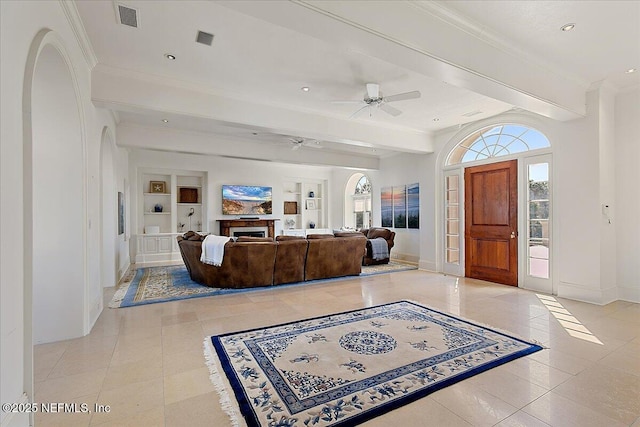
(147, 362)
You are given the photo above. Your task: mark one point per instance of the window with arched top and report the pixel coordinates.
(358, 202)
(497, 141)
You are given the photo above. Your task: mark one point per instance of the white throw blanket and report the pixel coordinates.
(213, 249)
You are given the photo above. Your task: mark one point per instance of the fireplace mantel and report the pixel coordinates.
(226, 224)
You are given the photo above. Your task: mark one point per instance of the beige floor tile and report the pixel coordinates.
(183, 361)
(416, 414)
(187, 384)
(172, 319)
(77, 413)
(154, 371)
(521, 419)
(606, 390)
(64, 389)
(133, 372)
(508, 387)
(203, 410)
(475, 406)
(556, 410)
(129, 400)
(150, 418)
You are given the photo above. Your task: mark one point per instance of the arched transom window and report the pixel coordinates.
(497, 141)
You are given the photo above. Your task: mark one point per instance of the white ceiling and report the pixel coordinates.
(264, 52)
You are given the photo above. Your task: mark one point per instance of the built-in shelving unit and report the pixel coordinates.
(310, 201)
(170, 203)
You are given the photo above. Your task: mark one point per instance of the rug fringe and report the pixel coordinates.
(482, 324)
(119, 295)
(218, 383)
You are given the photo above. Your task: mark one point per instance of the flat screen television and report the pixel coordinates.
(246, 200)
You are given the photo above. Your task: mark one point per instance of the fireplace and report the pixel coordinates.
(248, 231)
(231, 227)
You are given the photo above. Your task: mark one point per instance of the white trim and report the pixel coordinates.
(75, 22)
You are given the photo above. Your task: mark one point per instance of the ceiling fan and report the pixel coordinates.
(374, 98)
(297, 142)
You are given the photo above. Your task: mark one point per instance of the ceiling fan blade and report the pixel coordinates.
(295, 146)
(402, 96)
(390, 110)
(373, 90)
(358, 111)
(347, 102)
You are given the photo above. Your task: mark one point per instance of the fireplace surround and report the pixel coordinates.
(230, 226)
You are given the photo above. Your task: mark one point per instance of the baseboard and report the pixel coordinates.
(428, 265)
(404, 257)
(122, 271)
(630, 294)
(580, 293)
(17, 419)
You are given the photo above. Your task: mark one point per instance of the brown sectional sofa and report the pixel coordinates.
(253, 262)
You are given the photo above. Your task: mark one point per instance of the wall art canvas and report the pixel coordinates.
(400, 206)
(386, 207)
(120, 212)
(413, 205)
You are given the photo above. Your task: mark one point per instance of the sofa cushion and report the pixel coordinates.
(379, 232)
(285, 238)
(253, 239)
(347, 234)
(319, 236)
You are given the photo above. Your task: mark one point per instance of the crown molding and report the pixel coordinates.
(441, 11)
(73, 17)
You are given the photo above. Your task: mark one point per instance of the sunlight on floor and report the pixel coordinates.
(567, 320)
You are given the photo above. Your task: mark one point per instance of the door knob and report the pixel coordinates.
(513, 234)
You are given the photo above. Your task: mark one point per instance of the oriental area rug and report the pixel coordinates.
(161, 284)
(346, 368)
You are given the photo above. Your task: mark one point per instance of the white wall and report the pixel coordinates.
(20, 23)
(627, 209)
(406, 169)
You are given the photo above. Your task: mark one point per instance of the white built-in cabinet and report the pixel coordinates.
(310, 199)
(169, 203)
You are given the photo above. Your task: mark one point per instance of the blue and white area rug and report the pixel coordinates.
(346, 368)
(161, 284)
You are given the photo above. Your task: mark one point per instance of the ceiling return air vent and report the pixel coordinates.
(205, 38)
(127, 15)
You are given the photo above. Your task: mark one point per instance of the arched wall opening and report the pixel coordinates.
(109, 232)
(55, 208)
(358, 202)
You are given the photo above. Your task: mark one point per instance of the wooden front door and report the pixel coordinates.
(491, 222)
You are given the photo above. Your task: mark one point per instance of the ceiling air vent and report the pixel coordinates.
(472, 113)
(127, 16)
(205, 38)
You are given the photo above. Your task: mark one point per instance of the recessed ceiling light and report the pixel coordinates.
(631, 70)
(568, 27)
(165, 121)
(170, 56)
(305, 88)
(436, 119)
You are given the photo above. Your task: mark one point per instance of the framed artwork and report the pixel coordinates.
(311, 204)
(386, 207)
(400, 206)
(157, 187)
(120, 213)
(413, 205)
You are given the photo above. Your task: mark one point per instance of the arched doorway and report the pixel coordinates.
(54, 197)
(357, 202)
(487, 143)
